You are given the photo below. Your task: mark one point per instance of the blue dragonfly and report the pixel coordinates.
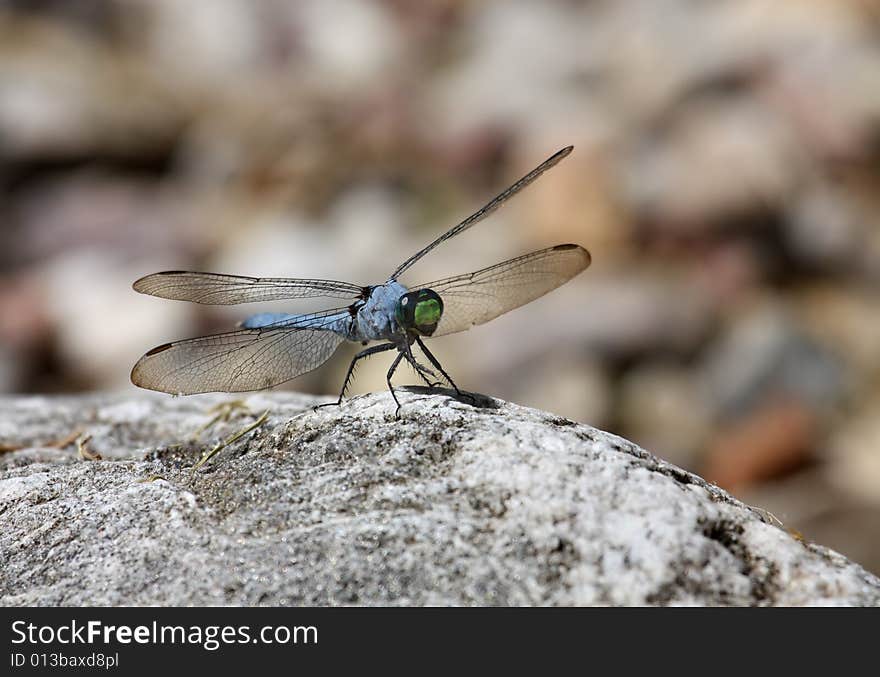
(271, 348)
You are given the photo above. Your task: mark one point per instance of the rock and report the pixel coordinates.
(825, 510)
(449, 504)
(770, 442)
(765, 355)
(673, 177)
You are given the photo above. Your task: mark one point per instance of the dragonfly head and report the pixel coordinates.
(419, 311)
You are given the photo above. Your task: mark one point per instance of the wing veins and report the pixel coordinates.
(221, 289)
(475, 298)
(203, 372)
(486, 209)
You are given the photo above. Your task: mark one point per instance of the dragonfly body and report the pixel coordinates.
(372, 319)
(270, 348)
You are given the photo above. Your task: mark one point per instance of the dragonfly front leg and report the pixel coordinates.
(439, 367)
(420, 369)
(424, 373)
(364, 353)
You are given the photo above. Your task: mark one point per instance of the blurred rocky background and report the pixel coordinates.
(726, 178)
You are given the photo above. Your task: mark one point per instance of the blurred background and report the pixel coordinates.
(726, 178)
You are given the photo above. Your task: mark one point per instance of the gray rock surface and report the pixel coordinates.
(451, 504)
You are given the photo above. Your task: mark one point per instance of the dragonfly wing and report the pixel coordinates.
(478, 297)
(247, 359)
(218, 289)
(487, 209)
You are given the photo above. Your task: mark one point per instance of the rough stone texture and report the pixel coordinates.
(450, 504)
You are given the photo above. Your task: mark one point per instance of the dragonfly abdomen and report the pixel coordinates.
(265, 319)
(337, 322)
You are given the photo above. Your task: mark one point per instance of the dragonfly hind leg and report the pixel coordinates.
(361, 355)
(439, 367)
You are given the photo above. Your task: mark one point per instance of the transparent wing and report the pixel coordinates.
(218, 289)
(483, 212)
(478, 297)
(247, 359)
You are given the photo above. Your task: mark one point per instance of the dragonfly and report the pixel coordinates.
(271, 348)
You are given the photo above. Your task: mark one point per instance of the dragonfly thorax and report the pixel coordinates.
(419, 311)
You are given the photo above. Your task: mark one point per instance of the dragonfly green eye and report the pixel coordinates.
(420, 311)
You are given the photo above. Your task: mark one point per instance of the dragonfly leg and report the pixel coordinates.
(424, 373)
(391, 387)
(420, 369)
(364, 353)
(439, 367)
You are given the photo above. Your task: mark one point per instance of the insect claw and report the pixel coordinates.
(327, 404)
